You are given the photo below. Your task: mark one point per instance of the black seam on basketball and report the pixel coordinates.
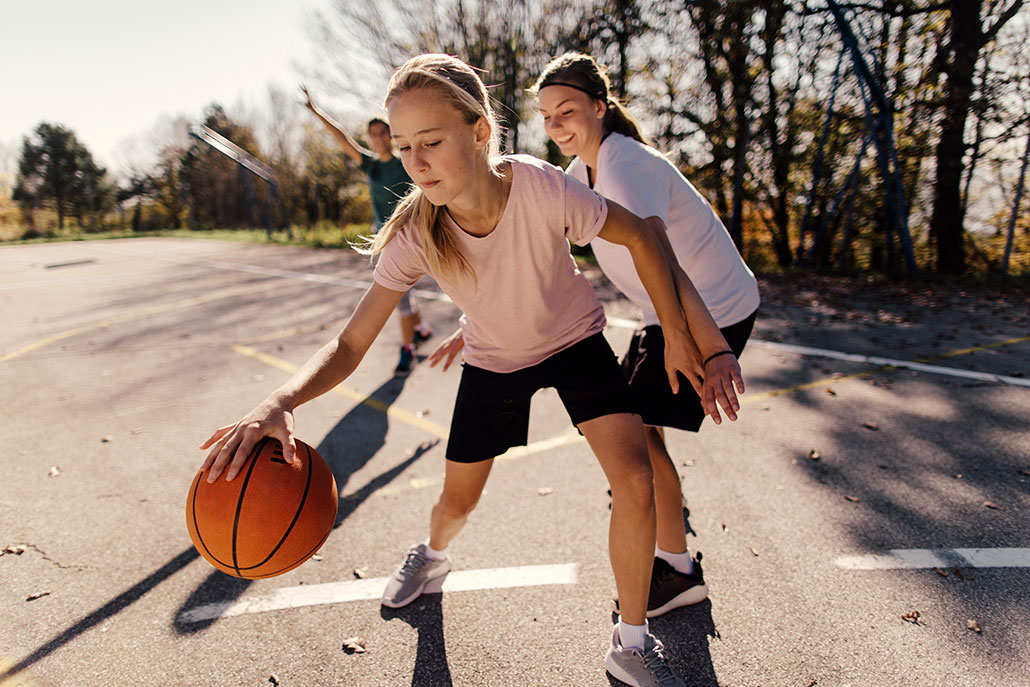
(255, 452)
(296, 516)
(196, 525)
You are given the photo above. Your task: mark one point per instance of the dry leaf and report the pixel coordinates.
(958, 573)
(106, 439)
(957, 475)
(316, 557)
(274, 679)
(992, 505)
(941, 571)
(37, 595)
(16, 550)
(360, 573)
(690, 462)
(725, 527)
(753, 552)
(765, 406)
(544, 491)
(422, 413)
(354, 645)
(54, 471)
(853, 499)
(912, 617)
(814, 455)
(871, 425)
(1024, 473)
(974, 626)
(830, 391)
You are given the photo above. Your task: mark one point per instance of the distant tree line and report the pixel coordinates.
(834, 135)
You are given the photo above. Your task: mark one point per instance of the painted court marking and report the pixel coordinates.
(910, 559)
(368, 589)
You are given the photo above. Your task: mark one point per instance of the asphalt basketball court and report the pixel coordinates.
(879, 470)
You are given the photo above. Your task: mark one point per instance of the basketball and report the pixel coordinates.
(271, 518)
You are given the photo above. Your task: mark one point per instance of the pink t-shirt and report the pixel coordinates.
(528, 299)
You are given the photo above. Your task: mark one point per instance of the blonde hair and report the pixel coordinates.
(464, 90)
(582, 72)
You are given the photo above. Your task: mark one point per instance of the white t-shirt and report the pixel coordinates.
(639, 178)
(528, 300)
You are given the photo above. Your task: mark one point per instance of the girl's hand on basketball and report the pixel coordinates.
(231, 445)
(449, 349)
(721, 375)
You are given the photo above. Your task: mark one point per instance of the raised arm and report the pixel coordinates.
(334, 362)
(349, 145)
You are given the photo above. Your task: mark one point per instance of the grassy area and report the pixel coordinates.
(322, 235)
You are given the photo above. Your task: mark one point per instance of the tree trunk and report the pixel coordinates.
(946, 223)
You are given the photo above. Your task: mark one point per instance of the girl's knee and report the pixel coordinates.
(635, 481)
(456, 505)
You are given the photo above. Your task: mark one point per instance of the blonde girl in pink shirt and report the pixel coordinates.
(494, 232)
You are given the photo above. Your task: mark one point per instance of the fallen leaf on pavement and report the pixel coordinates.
(544, 491)
(957, 475)
(354, 645)
(106, 439)
(753, 552)
(274, 679)
(992, 505)
(958, 573)
(871, 425)
(941, 571)
(853, 499)
(1024, 473)
(54, 471)
(37, 595)
(974, 626)
(814, 455)
(360, 573)
(16, 550)
(830, 391)
(422, 413)
(912, 617)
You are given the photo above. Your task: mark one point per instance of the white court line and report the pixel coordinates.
(875, 360)
(364, 590)
(902, 559)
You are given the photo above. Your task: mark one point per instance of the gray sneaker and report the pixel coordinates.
(637, 668)
(415, 574)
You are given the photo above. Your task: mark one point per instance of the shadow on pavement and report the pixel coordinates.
(426, 616)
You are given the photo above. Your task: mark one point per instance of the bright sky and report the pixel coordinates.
(109, 69)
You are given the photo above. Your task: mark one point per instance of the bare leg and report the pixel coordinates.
(668, 496)
(619, 444)
(408, 324)
(462, 486)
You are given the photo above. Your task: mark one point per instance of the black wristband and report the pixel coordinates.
(715, 355)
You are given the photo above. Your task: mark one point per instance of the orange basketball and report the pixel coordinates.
(271, 518)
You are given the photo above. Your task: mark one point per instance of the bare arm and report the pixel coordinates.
(334, 362)
(649, 259)
(349, 145)
(720, 373)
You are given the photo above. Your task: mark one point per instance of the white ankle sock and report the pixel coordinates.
(632, 636)
(682, 562)
(433, 553)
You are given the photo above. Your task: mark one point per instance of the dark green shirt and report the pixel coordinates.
(387, 183)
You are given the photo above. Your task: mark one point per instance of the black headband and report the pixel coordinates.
(593, 94)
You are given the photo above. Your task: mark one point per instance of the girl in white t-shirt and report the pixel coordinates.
(494, 232)
(614, 159)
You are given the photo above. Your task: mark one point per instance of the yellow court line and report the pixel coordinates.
(974, 349)
(402, 415)
(21, 678)
(136, 314)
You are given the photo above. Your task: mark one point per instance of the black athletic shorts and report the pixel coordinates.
(644, 367)
(491, 412)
